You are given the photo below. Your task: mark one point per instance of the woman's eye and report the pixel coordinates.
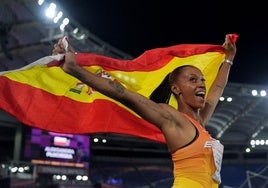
(193, 79)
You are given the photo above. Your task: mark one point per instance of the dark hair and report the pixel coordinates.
(163, 92)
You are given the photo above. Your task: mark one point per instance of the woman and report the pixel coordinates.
(196, 156)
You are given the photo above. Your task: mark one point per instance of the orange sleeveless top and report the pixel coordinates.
(194, 164)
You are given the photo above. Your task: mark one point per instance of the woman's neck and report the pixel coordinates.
(194, 114)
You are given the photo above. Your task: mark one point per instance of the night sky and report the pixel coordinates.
(136, 26)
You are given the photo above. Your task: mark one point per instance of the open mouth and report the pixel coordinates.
(201, 94)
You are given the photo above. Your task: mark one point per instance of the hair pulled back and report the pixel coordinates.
(163, 92)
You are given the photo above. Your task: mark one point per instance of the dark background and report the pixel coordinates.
(136, 26)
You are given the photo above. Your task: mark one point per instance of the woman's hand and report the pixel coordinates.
(229, 48)
(69, 63)
(59, 48)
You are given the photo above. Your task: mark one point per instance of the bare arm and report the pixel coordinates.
(220, 81)
(147, 109)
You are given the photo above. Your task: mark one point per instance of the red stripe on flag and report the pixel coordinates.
(150, 60)
(61, 114)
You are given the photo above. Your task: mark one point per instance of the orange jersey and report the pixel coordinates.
(194, 164)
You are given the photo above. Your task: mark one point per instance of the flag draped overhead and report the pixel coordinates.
(42, 95)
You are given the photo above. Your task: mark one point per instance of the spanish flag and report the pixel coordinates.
(42, 95)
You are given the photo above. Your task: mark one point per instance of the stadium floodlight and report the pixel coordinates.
(64, 23)
(75, 31)
(51, 10)
(229, 99)
(58, 17)
(40, 2)
(263, 93)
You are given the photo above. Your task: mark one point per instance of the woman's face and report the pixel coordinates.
(190, 85)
